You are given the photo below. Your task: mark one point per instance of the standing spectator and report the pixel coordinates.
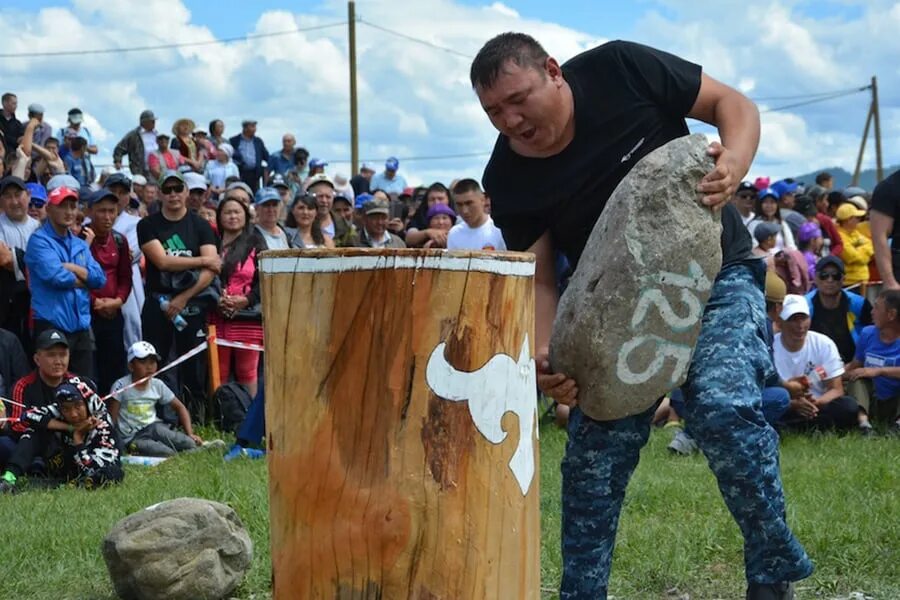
(37, 199)
(316, 167)
(217, 132)
(787, 199)
(76, 128)
(362, 180)
(281, 162)
(304, 225)
(198, 191)
(238, 317)
(813, 360)
(825, 180)
(11, 127)
(268, 207)
(42, 131)
(182, 260)
(13, 367)
(477, 230)
(16, 227)
(240, 191)
(374, 233)
(744, 200)
(343, 207)
(61, 273)
(48, 163)
(219, 170)
(138, 144)
(858, 249)
(111, 251)
(342, 232)
(126, 225)
(768, 211)
(296, 175)
(418, 233)
(389, 180)
(829, 229)
(885, 225)
(249, 154)
(183, 143)
(809, 242)
(163, 159)
(78, 162)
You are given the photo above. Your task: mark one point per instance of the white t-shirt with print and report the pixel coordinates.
(484, 237)
(818, 351)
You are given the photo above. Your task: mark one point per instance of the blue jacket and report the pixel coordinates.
(261, 155)
(54, 296)
(854, 315)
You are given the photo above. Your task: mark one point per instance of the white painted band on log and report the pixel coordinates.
(339, 264)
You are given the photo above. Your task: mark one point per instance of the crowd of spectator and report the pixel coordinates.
(106, 278)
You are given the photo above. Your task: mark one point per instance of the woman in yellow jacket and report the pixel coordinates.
(858, 249)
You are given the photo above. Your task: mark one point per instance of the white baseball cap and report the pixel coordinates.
(794, 305)
(142, 349)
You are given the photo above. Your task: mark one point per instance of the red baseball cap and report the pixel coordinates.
(61, 193)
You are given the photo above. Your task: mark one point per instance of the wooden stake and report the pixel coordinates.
(213, 357)
(384, 481)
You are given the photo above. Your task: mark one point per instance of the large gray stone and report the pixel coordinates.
(183, 549)
(627, 324)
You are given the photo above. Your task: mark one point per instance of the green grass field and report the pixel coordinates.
(675, 538)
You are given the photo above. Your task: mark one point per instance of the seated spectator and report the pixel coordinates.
(296, 175)
(316, 167)
(810, 359)
(835, 312)
(360, 182)
(220, 169)
(163, 159)
(440, 218)
(788, 264)
(477, 230)
(198, 191)
(111, 251)
(417, 231)
(343, 207)
(767, 211)
(13, 367)
(16, 228)
(278, 184)
(268, 206)
(744, 200)
(75, 435)
(279, 163)
(238, 315)
(78, 162)
(134, 409)
(62, 271)
(183, 143)
(787, 197)
(809, 242)
(877, 362)
(49, 162)
(304, 224)
(240, 191)
(374, 233)
(37, 200)
(341, 232)
(858, 249)
(182, 260)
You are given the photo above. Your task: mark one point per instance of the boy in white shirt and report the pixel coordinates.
(813, 360)
(477, 231)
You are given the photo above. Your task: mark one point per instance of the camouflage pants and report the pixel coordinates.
(723, 412)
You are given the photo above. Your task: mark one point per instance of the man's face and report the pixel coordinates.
(53, 362)
(151, 194)
(174, 194)
(38, 212)
(376, 224)
(10, 104)
(470, 206)
(148, 124)
(744, 201)
(249, 130)
(103, 215)
(796, 328)
(53, 147)
(15, 200)
(787, 200)
(163, 143)
(74, 411)
(63, 214)
(287, 144)
(196, 198)
(285, 194)
(525, 104)
(829, 281)
(367, 174)
(324, 197)
(123, 194)
(267, 214)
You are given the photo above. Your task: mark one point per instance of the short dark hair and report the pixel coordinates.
(7, 96)
(464, 186)
(891, 299)
(50, 140)
(300, 153)
(823, 177)
(78, 143)
(836, 198)
(519, 48)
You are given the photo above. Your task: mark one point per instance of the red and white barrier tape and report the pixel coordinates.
(191, 354)
(239, 345)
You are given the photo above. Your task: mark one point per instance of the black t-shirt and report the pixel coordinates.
(178, 238)
(886, 200)
(629, 100)
(832, 322)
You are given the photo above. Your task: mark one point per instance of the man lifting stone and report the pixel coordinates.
(568, 135)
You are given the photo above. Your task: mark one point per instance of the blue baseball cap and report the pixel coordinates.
(38, 193)
(783, 187)
(102, 194)
(392, 164)
(267, 194)
(316, 163)
(362, 199)
(769, 191)
(68, 392)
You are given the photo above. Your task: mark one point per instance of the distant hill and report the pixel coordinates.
(842, 177)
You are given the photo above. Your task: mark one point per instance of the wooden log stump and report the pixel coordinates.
(402, 424)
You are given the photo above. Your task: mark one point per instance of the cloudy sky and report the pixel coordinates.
(415, 99)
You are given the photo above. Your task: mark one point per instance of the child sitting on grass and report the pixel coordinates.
(134, 409)
(88, 457)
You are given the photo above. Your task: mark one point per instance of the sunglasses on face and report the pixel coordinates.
(831, 275)
(172, 189)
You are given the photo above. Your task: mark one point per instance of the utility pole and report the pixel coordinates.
(862, 148)
(879, 168)
(354, 123)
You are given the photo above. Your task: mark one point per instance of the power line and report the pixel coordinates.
(249, 36)
(415, 39)
(815, 100)
(810, 96)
